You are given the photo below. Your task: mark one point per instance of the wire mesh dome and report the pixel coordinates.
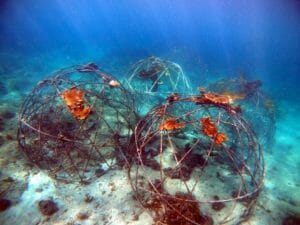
(257, 107)
(196, 153)
(76, 123)
(153, 79)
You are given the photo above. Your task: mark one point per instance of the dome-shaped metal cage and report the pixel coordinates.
(153, 79)
(76, 123)
(196, 153)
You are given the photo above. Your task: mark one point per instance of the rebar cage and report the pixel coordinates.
(193, 152)
(187, 158)
(153, 79)
(76, 123)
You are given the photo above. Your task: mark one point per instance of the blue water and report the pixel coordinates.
(210, 39)
(259, 38)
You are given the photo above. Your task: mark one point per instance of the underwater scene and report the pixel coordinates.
(144, 112)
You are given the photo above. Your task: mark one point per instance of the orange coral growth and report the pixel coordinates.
(225, 98)
(73, 96)
(82, 113)
(74, 99)
(208, 127)
(171, 124)
(210, 130)
(220, 138)
(218, 99)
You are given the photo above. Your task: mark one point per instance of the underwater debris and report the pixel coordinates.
(86, 143)
(47, 207)
(187, 162)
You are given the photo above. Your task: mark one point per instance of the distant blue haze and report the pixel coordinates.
(258, 37)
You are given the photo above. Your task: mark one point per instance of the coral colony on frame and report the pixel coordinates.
(187, 156)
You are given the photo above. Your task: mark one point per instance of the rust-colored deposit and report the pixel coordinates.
(217, 98)
(210, 130)
(171, 124)
(74, 99)
(225, 98)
